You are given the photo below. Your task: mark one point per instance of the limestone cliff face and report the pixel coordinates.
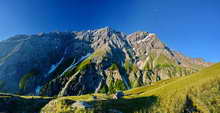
(74, 63)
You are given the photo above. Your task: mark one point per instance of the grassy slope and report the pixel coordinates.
(199, 92)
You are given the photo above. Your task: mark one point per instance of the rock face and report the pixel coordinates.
(75, 63)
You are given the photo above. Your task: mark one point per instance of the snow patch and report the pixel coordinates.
(54, 66)
(99, 86)
(37, 90)
(84, 57)
(75, 63)
(143, 40)
(146, 53)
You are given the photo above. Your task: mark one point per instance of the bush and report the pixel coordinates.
(113, 67)
(104, 89)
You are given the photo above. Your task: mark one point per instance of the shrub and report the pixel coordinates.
(104, 89)
(113, 67)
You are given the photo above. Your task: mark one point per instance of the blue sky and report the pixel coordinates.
(189, 26)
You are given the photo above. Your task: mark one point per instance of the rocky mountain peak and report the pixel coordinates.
(101, 58)
(156, 42)
(145, 40)
(106, 30)
(137, 36)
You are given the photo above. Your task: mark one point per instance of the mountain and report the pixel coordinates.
(94, 61)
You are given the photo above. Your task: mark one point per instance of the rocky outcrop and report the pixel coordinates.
(105, 60)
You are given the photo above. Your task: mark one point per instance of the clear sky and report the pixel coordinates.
(189, 26)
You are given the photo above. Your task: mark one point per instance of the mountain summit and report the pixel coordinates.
(74, 63)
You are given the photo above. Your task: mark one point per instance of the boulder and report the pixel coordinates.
(118, 94)
(114, 111)
(81, 104)
(94, 97)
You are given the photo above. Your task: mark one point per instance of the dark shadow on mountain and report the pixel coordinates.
(141, 104)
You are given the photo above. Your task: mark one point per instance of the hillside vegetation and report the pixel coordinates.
(196, 93)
